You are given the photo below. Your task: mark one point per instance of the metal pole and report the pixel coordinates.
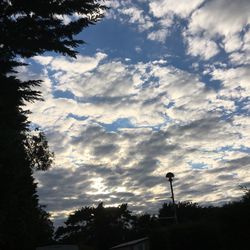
(174, 205)
(170, 177)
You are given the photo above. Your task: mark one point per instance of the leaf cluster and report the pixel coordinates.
(28, 28)
(97, 226)
(37, 151)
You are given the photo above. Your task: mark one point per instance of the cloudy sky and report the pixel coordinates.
(159, 86)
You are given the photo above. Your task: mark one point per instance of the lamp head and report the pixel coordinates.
(170, 176)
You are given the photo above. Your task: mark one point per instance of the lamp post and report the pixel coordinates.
(170, 177)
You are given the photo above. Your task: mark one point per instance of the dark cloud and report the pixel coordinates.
(198, 128)
(154, 100)
(105, 149)
(226, 177)
(109, 100)
(199, 190)
(155, 145)
(240, 162)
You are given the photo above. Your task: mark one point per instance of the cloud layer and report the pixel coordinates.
(117, 125)
(117, 128)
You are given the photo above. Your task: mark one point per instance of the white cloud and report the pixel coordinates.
(236, 83)
(243, 56)
(90, 145)
(240, 58)
(220, 19)
(183, 8)
(129, 13)
(159, 35)
(246, 40)
(135, 14)
(115, 90)
(79, 65)
(202, 47)
(138, 49)
(232, 43)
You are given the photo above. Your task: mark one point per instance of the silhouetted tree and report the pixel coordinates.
(234, 221)
(45, 228)
(142, 225)
(101, 227)
(186, 212)
(37, 150)
(218, 228)
(20, 213)
(29, 28)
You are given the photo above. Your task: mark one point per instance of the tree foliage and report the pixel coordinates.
(186, 211)
(101, 227)
(29, 28)
(19, 209)
(218, 228)
(37, 151)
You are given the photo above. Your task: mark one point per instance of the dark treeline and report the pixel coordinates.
(223, 228)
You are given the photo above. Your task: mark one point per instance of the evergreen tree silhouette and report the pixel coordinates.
(29, 28)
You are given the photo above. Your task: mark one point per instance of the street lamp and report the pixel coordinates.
(170, 177)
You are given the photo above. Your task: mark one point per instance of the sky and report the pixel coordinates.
(159, 86)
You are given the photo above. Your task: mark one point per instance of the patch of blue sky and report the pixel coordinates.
(113, 38)
(77, 117)
(241, 149)
(123, 40)
(152, 81)
(63, 94)
(198, 165)
(242, 105)
(169, 105)
(158, 127)
(118, 124)
(241, 108)
(36, 67)
(33, 126)
(126, 123)
(199, 67)
(210, 83)
(176, 46)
